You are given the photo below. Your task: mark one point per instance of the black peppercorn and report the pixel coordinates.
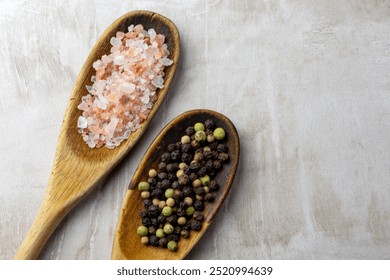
(162, 175)
(214, 154)
(146, 222)
(190, 130)
(171, 147)
(186, 170)
(186, 157)
(173, 237)
(171, 176)
(192, 176)
(177, 145)
(194, 165)
(147, 203)
(143, 213)
(214, 145)
(198, 205)
(186, 148)
(178, 195)
(221, 148)
(199, 191)
(152, 230)
(217, 164)
(152, 181)
(175, 185)
(153, 222)
(175, 155)
(198, 216)
(180, 212)
(171, 167)
(188, 191)
(223, 157)
(196, 225)
(183, 179)
(195, 144)
(154, 240)
(209, 124)
(209, 165)
(187, 226)
(202, 171)
(172, 219)
(162, 166)
(213, 186)
(161, 219)
(165, 184)
(177, 229)
(153, 211)
(163, 242)
(208, 154)
(209, 197)
(166, 157)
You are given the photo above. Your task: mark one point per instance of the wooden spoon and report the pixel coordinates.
(77, 169)
(127, 243)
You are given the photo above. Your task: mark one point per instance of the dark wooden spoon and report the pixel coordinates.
(127, 243)
(77, 169)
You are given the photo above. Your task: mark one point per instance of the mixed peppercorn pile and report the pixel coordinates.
(177, 189)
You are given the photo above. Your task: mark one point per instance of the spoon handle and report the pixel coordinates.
(44, 225)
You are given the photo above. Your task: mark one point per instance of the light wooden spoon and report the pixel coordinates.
(77, 169)
(127, 243)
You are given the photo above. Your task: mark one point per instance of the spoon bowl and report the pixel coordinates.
(78, 169)
(127, 243)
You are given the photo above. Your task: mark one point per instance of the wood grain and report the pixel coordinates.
(127, 243)
(78, 169)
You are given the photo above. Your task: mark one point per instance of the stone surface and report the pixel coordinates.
(306, 83)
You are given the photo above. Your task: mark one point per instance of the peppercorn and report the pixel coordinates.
(196, 184)
(145, 240)
(186, 157)
(217, 164)
(187, 191)
(209, 124)
(209, 197)
(223, 157)
(190, 130)
(152, 181)
(192, 176)
(181, 220)
(177, 230)
(210, 138)
(172, 245)
(177, 145)
(167, 211)
(157, 193)
(198, 197)
(168, 228)
(165, 184)
(171, 147)
(199, 191)
(221, 148)
(186, 148)
(163, 242)
(185, 139)
(166, 157)
(199, 127)
(187, 201)
(187, 226)
(187, 170)
(160, 233)
(190, 210)
(195, 144)
(169, 193)
(152, 230)
(213, 145)
(142, 230)
(185, 233)
(209, 165)
(178, 195)
(196, 225)
(154, 240)
(198, 205)
(183, 179)
(194, 165)
(175, 185)
(174, 237)
(147, 203)
(198, 216)
(171, 176)
(205, 180)
(180, 172)
(172, 219)
(200, 136)
(171, 167)
(180, 212)
(145, 194)
(175, 155)
(219, 133)
(153, 211)
(143, 213)
(161, 219)
(206, 189)
(162, 166)
(143, 186)
(202, 171)
(207, 154)
(170, 202)
(213, 186)
(162, 204)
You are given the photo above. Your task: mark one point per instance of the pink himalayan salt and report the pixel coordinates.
(124, 87)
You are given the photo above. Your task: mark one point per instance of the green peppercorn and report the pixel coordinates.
(205, 180)
(200, 136)
(169, 193)
(160, 233)
(190, 210)
(167, 211)
(143, 186)
(199, 127)
(172, 245)
(219, 133)
(168, 228)
(142, 231)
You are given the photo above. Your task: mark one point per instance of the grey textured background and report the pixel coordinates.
(306, 83)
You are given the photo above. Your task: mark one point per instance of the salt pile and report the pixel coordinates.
(124, 87)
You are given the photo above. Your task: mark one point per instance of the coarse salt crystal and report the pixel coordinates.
(82, 122)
